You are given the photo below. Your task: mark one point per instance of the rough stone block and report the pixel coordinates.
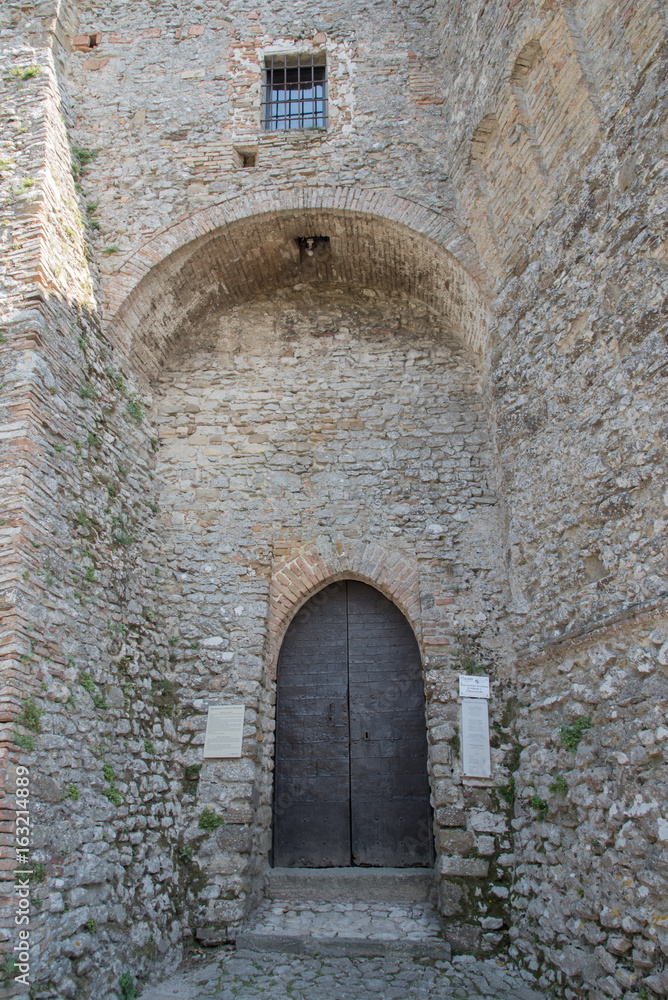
(487, 822)
(212, 937)
(463, 867)
(454, 841)
(450, 816)
(463, 938)
(449, 898)
(486, 846)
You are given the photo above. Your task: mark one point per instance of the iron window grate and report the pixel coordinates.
(295, 92)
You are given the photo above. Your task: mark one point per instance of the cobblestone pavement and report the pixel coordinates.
(229, 975)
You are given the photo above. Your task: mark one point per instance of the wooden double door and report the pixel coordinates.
(351, 784)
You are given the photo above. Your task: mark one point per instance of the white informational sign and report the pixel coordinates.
(224, 731)
(476, 761)
(473, 687)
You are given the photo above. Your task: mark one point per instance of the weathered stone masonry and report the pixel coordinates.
(461, 402)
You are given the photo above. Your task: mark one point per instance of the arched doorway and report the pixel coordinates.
(351, 785)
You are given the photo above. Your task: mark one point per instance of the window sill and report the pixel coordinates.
(294, 135)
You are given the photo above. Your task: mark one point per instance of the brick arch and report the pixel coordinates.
(227, 253)
(525, 61)
(301, 572)
(483, 133)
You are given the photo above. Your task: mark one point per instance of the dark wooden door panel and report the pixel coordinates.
(392, 838)
(312, 776)
(390, 813)
(351, 784)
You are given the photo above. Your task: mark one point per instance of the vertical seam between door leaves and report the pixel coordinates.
(350, 790)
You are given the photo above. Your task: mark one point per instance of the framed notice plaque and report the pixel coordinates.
(224, 731)
(473, 687)
(476, 758)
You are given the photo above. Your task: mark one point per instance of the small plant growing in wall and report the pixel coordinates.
(91, 925)
(24, 742)
(135, 410)
(507, 792)
(191, 778)
(455, 743)
(38, 875)
(570, 736)
(471, 658)
(470, 666)
(9, 970)
(117, 628)
(117, 379)
(559, 786)
(120, 534)
(30, 716)
(540, 805)
(83, 519)
(29, 73)
(87, 682)
(127, 988)
(111, 791)
(72, 792)
(91, 208)
(82, 157)
(210, 820)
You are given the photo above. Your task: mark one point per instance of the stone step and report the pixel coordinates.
(310, 927)
(350, 885)
(342, 947)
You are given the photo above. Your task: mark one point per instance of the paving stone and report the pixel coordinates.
(332, 979)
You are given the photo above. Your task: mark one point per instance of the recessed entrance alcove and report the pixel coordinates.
(332, 403)
(339, 419)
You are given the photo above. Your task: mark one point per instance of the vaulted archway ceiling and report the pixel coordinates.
(234, 263)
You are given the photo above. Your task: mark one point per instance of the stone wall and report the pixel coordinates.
(76, 518)
(581, 264)
(493, 185)
(560, 171)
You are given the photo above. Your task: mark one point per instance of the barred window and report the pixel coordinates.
(295, 92)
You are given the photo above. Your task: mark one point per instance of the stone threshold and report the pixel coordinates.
(341, 947)
(350, 885)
